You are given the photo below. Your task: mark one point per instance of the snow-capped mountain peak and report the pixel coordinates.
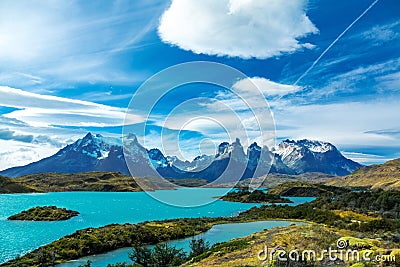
(317, 146)
(312, 145)
(95, 145)
(314, 156)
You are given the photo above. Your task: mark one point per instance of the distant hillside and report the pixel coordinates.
(303, 189)
(89, 181)
(274, 179)
(385, 176)
(8, 186)
(86, 181)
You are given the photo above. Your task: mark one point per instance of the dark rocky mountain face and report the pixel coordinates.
(230, 163)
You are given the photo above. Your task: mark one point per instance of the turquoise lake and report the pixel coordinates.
(102, 208)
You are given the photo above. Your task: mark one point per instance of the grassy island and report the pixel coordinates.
(46, 213)
(256, 196)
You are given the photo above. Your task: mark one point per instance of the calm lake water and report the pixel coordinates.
(99, 209)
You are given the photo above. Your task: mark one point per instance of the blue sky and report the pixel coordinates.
(68, 67)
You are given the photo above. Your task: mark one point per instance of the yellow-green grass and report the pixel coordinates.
(385, 176)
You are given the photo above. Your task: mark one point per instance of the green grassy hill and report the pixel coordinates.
(274, 179)
(8, 185)
(385, 176)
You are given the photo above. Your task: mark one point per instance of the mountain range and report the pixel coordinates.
(95, 152)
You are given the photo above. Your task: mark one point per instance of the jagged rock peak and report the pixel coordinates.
(130, 136)
(237, 142)
(222, 149)
(254, 146)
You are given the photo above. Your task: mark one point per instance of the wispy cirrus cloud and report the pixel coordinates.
(105, 96)
(381, 34)
(369, 79)
(389, 82)
(50, 42)
(349, 124)
(378, 43)
(45, 110)
(386, 132)
(365, 158)
(316, 61)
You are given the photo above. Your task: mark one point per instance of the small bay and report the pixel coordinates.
(218, 233)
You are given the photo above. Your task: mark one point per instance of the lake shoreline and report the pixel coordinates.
(113, 256)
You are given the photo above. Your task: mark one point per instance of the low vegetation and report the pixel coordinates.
(272, 180)
(385, 204)
(161, 255)
(46, 213)
(188, 182)
(303, 189)
(375, 212)
(256, 196)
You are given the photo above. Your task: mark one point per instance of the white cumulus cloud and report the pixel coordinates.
(266, 86)
(237, 28)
